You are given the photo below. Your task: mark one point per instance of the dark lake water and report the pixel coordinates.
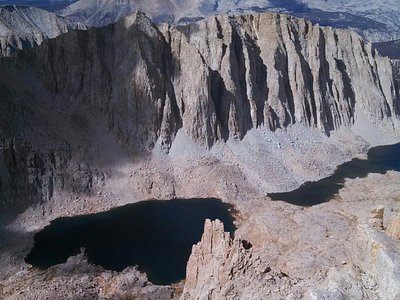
(380, 160)
(155, 235)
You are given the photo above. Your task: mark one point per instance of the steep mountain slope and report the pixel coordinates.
(232, 107)
(215, 79)
(374, 20)
(246, 71)
(386, 12)
(100, 13)
(23, 26)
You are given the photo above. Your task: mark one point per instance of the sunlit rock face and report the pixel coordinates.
(218, 267)
(25, 27)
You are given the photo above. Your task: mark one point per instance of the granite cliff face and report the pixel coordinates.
(275, 70)
(218, 268)
(215, 79)
(220, 77)
(123, 71)
(28, 174)
(26, 27)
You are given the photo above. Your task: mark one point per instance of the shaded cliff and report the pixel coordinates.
(123, 71)
(36, 164)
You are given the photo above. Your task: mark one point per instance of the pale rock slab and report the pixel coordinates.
(394, 228)
(376, 217)
(221, 267)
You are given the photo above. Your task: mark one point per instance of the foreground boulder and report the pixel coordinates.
(224, 268)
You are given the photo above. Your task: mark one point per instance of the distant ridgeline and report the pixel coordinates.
(50, 5)
(376, 20)
(25, 27)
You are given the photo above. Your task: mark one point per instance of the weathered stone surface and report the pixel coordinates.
(376, 217)
(396, 75)
(224, 268)
(121, 70)
(394, 228)
(220, 77)
(337, 287)
(28, 177)
(381, 261)
(77, 279)
(204, 274)
(275, 70)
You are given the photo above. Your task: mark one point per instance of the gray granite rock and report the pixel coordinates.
(220, 77)
(26, 27)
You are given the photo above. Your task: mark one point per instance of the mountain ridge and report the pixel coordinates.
(375, 24)
(25, 27)
(235, 63)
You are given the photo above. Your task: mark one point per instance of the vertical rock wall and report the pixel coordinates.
(220, 77)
